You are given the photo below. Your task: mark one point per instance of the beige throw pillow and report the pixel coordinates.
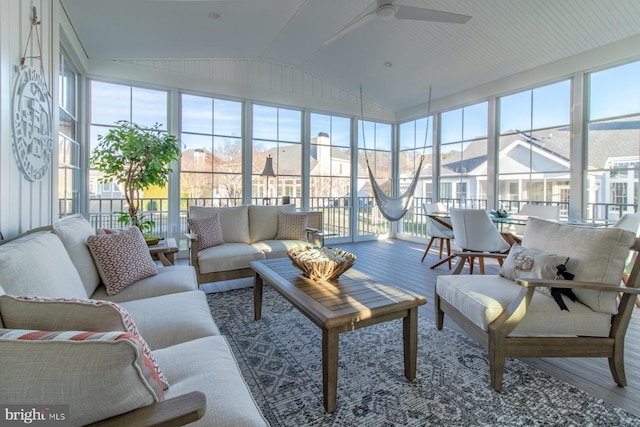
(208, 229)
(122, 258)
(292, 226)
(523, 263)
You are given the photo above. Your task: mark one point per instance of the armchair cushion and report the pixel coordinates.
(64, 314)
(524, 263)
(263, 221)
(596, 255)
(99, 375)
(483, 298)
(122, 258)
(208, 229)
(234, 221)
(292, 226)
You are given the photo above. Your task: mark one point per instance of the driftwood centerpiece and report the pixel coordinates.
(321, 263)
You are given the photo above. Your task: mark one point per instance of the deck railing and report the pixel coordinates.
(336, 213)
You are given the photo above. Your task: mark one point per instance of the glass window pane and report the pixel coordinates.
(197, 113)
(515, 112)
(451, 126)
(228, 154)
(265, 122)
(149, 107)
(226, 117)
(383, 136)
(110, 103)
(552, 105)
(611, 92)
(475, 121)
(289, 125)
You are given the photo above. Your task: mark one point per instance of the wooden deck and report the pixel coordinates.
(397, 263)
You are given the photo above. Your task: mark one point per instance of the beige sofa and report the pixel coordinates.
(249, 234)
(109, 373)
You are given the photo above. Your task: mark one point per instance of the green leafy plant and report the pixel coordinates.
(135, 158)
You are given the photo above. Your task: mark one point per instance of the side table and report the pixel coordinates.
(164, 250)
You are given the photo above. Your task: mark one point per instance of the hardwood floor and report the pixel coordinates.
(397, 263)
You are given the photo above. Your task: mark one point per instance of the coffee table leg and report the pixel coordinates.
(330, 368)
(257, 297)
(410, 338)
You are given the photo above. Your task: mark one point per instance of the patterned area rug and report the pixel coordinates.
(280, 358)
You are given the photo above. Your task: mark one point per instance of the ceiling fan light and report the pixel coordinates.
(386, 11)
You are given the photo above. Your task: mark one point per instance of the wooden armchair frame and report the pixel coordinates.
(176, 411)
(500, 345)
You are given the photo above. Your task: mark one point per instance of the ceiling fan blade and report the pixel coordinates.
(420, 14)
(355, 24)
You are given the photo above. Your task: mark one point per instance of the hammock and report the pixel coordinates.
(394, 208)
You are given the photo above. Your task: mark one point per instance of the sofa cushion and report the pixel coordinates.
(122, 258)
(596, 255)
(172, 319)
(230, 256)
(208, 365)
(482, 301)
(263, 221)
(169, 280)
(524, 263)
(74, 232)
(208, 229)
(292, 226)
(55, 275)
(234, 221)
(64, 314)
(278, 248)
(96, 378)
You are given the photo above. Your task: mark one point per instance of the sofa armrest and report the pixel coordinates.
(192, 243)
(177, 411)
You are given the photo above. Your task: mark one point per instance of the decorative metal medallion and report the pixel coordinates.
(32, 128)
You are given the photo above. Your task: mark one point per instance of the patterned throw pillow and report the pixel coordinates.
(102, 231)
(292, 226)
(54, 314)
(122, 258)
(523, 263)
(36, 335)
(208, 229)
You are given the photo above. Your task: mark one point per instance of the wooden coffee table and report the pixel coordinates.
(351, 302)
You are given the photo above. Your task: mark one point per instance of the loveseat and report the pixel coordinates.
(67, 339)
(238, 235)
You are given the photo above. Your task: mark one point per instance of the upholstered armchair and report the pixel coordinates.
(516, 314)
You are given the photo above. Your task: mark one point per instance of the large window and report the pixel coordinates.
(463, 157)
(416, 141)
(69, 173)
(613, 142)
(211, 164)
(277, 134)
(534, 147)
(374, 145)
(146, 107)
(330, 171)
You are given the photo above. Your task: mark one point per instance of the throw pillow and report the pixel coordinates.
(59, 314)
(523, 263)
(208, 229)
(110, 230)
(292, 226)
(37, 335)
(122, 258)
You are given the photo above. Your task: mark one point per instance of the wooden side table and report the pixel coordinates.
(164, 251)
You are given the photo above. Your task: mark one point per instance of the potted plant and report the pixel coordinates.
(135, 158)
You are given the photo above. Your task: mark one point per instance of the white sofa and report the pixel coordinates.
(101, 379)
(249, 234)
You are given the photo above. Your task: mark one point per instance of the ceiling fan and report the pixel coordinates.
(387, 9)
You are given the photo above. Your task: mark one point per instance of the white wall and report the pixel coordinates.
(23, 204)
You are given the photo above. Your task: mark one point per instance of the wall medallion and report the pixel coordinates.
(32, 131)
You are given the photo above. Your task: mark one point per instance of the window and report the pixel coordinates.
(330, 171)
(211, 163)
(277, 132)
(613, 159)
(111, 103)
(534, 146)
(463, 156)
(374, 144)
(69, 173)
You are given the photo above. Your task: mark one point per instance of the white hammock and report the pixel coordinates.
(394, 208)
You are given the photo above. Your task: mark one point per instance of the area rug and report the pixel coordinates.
(280, 358)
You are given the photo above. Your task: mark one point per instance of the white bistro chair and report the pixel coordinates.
(438, 228)
(474, 231)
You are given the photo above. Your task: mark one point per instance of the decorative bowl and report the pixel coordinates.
(321, 263)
